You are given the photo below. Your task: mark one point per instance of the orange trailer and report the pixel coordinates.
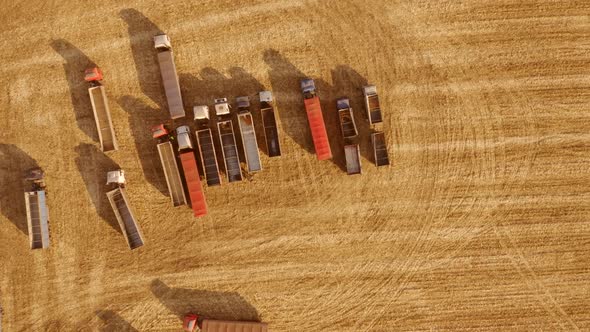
(193, 183)
(316, 120)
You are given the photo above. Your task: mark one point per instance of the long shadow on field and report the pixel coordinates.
(213, 84)
(349, 83)
(141, 33)
(141, 118)
(93, 165)
(13, 164)
(209, 304)
(114, 322)
(76, 63)
(285, 79)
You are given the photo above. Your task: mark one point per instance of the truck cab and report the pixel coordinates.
(183, 136)
(221, 106)
(162, 42)
(201, 113)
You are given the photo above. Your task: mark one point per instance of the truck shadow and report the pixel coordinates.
(141, 32)
(209, 304)
(13, 164)
(93, 165)
(74, 67)
(349, 83)
(213, 84)
(113, 322)
(285, 78)
(141, 118)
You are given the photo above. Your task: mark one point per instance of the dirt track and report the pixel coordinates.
(482, 221)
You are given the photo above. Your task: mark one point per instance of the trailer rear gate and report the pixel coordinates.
(208, 157)
(171, 173)
(171, 84)
(37, 219)
(249, 142)
(230, 326)
(230, 151)
(102, 116)
(271, 133)
(380, 149)
(125, 217)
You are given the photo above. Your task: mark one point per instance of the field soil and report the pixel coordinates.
(481, 222)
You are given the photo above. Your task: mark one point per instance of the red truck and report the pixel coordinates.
(192, 321)
(191, 172)
(316, 120)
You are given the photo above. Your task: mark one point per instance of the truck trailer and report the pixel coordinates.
(206, 146)
(37, 212)
(269, 122)
(375, 118)
(122, 209)
(316, 120)
(228, 141)
(169, 76)
(191, 172)
(100, 108)
(192, 322)
(249, 142)
(169, 165)
(350, 136)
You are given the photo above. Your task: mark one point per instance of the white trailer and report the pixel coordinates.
(122, 209)
(249, 142)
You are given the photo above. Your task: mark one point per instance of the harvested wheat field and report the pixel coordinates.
(481, 222)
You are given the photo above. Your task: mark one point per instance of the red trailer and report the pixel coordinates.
(192, 322)
(193, 183)
(316, 120)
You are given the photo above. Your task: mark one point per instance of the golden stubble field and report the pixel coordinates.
(480, 223)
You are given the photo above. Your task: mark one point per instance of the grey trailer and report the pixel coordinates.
(372, 104)
(269, 122)
(379, 149)
(229, 150)
(37, 219)
(208, 157)
(249, 142)
(125, 217)
(353, 159)
(170, 167)
(102, 116)
(169, 76)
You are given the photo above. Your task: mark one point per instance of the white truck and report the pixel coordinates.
(122, 210)
(249, 142)
(169, 76)
(375, 118)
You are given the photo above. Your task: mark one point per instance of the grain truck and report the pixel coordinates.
(122, 209)
(375, 118)
(316, 120)
(169, 76)
(350, 136)
(191, 172)
(100, 108)
(169, 165)
(206, 146)
(249, 142)
(37, 212)
(192, 322)
(269, 122)
(228, 140)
